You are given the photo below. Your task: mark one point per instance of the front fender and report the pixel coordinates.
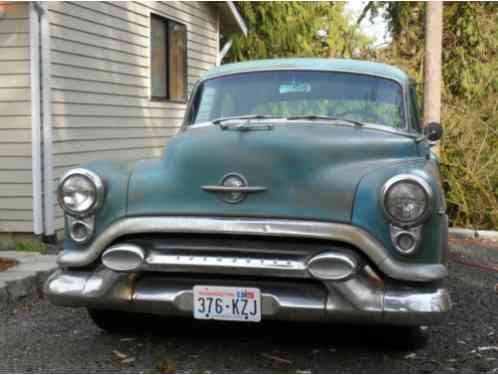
(115, 176)
(368, 213)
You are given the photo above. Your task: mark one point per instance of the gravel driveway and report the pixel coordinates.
(38, 337)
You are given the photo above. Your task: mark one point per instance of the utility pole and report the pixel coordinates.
(432, 64)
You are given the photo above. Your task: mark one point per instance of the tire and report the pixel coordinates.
(115, 321)
(407, 337)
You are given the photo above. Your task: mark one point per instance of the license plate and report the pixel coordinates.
(227, 303)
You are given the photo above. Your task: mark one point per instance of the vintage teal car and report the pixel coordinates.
(296, 189)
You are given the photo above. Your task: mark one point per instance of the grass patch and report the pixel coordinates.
(32, 247)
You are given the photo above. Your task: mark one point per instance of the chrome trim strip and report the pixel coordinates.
(233, 265)
(355, 236)
(230, 189)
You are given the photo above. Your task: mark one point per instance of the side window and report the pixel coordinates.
(168, 60)
(415, 113)
(205, 105)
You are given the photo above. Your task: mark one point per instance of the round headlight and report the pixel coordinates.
(406, 199)
(80, 192)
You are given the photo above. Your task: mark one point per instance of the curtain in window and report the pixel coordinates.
(177, 61)
(158, 58)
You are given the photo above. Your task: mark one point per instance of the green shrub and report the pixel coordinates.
(469, 162)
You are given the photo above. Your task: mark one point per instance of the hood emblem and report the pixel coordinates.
(233, 188)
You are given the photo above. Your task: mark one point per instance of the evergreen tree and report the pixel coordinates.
(296, 29)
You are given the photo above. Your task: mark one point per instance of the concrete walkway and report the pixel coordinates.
(27, 277)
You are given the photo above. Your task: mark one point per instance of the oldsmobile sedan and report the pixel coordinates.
(296, 189)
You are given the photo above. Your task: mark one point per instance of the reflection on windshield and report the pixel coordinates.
(354, 97)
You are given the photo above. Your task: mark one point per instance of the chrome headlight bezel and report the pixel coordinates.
(414, 179)
(94, 179)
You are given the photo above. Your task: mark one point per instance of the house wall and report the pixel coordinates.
(101, 79)
(16, 202)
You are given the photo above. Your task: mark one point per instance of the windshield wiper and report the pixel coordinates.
(246, 125)
(326, 118)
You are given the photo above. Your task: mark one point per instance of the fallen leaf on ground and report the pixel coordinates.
(424, 328)
(119, 354)
(167, 367)
(410, 356)
(278, 359)
(303, 372)
(6, 263)
(128, 339)
(128, 360)
(461, 342)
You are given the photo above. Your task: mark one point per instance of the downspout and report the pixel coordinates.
(36, 166)
(48, 167)
(218, 36)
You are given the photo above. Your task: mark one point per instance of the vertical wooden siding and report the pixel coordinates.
(15, 120)
(101, 84)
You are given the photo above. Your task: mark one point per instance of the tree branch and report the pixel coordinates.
(364, 12)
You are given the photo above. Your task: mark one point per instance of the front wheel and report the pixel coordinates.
(115, 321)
(406, 337)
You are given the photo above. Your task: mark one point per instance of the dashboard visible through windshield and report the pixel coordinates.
(295, 93)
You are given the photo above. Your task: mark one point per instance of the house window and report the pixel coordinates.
(168, 60)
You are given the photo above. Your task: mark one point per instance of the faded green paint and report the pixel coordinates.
(310, 172)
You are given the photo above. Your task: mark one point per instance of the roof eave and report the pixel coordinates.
(231, 18)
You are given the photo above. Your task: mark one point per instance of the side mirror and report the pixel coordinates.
(433, 131)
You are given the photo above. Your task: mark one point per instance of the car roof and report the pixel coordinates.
(338, 65)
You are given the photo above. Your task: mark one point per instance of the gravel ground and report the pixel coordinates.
(38, 337)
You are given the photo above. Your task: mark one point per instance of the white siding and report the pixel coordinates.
(15, 120)
(100, 78)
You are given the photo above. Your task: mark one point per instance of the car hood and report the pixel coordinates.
(310, 170)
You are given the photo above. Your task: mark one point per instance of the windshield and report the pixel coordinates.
(349, 96)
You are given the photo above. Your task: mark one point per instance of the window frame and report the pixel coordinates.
(415, 115)
(166, 23)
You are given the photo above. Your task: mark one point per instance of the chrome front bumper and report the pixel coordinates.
(362, 298)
